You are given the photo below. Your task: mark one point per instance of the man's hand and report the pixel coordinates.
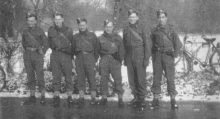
(124, 63)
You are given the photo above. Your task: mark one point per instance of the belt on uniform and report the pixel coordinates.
(163, 50)
(167, 51)
(31, 49)
(114, 56)
(109, 55)
(84, 52)
(55, 49)
(58, 49)
(61, 50)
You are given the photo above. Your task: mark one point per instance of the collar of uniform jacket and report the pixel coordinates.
(134, 25)
(60, 29)
(31, 28)
(110, 37)
(84, 32)
(107, 35)
(159, 26)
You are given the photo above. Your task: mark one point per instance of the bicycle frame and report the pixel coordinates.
(194, 57)
(215, 48)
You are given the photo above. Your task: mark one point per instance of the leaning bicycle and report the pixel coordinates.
(190, 58)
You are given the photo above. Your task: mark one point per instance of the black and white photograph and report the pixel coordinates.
(109, 59)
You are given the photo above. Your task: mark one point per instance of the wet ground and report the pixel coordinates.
(11, 108)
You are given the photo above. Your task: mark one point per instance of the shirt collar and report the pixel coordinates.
(159, 26)
(107, 34)
(84, 32)
(134, 25)
(60, 29)
(31, 28)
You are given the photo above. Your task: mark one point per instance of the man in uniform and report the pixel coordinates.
(60, 37)
(137, 53)
(35, 45)
(112, 54)
(86, 49)
(165, 47)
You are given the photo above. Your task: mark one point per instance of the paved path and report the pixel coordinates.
(11, 108)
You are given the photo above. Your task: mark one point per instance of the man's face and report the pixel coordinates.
(109, 28)
(31, 21)
(82, 26)
(162, 18)
(133, 18)
(58, 20)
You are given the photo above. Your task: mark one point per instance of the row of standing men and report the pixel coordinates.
(134, 51)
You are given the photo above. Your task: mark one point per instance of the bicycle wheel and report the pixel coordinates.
(215, 62)
(2, 78)
(184, 64)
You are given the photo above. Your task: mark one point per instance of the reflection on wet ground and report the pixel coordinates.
(11, 108)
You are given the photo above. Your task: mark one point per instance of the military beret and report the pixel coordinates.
(159, 12)
(58, 14)
(131, 12)
(31, 14)
(108, 22)
(79, 20)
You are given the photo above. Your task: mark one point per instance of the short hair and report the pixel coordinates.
(131, 11)
(106, 22)
(31, 14)
(159, 12)
(79, 20)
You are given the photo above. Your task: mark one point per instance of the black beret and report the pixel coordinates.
(31, 14)
(159, 12)
(131, 12)
(106, 22)
(79, 20)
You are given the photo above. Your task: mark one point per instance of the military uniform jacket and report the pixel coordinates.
(86, 42)
(134, 47)
(60, 39)
(165, 38)
(111, 44)
(34, 38)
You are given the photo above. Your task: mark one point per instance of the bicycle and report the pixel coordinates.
(190, 58)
